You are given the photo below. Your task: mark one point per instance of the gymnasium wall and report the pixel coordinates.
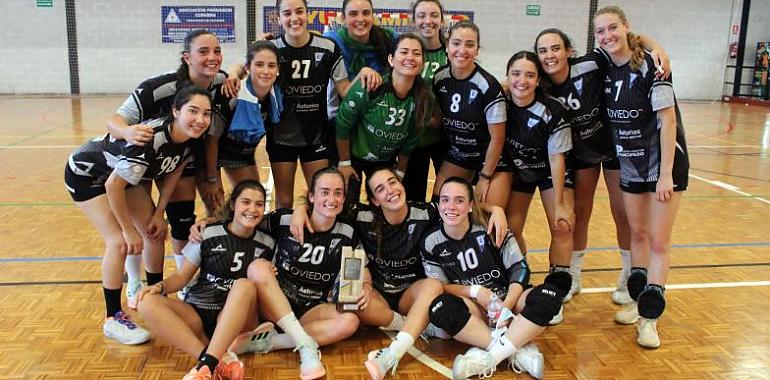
(119, 41)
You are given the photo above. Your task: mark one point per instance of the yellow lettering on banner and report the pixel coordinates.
(312, 16)
(391, 21)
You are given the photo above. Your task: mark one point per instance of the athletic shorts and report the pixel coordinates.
(544, 184)
(208, 318)
(576, 164)
(190, 170)
(392, 298)
(82, 188)
(680, 184)
(465, 163)
(300, 308)
(238, 157)
(285, 153)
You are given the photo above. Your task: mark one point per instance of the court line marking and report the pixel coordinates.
(531, 251)
(425, 359)
(38, 146)
(729, 187)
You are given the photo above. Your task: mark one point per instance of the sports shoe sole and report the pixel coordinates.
(126, 342)
(262, 328)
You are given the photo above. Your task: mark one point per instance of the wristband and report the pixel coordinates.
(474, 292)
(344, 163)
(485, 176)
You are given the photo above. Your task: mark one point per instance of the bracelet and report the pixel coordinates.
(485, 176)
(474, 292)
(161, 288)
(343, 163)
(212, 179)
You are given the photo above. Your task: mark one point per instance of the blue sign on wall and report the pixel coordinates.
(177, 21)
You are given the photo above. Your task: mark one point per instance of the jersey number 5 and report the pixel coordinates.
(237, 261)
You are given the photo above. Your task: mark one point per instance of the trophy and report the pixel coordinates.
(351, 278)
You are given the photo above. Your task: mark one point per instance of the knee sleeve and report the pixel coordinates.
(181, 216)
(652, 302)
(450, 313)
(560, 280)
(542, 304)
(637, 280)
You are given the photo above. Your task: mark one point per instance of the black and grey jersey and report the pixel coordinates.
(632, 99)
(468, 106)
(100, 156)
(393, 251)
(306, 75)
(532, 133)
(582, 95)
(307, 272)
(474, 260)
(223, 258)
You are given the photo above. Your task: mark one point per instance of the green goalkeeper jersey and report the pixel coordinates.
(379, 125)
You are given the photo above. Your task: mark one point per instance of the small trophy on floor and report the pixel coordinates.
(351, 278)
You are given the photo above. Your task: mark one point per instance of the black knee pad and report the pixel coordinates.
(181, 216)
(450, 313)
(560, 280)
(652, 302)
(542, 304)
(637, 280)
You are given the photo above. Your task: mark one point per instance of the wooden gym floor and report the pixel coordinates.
(715, 326)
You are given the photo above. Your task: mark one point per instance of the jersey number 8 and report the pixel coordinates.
(455, 106)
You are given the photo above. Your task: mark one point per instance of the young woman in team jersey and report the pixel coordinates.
(201, 60)
(472, 113)
(537, 139)
(653, 159)
(110, 181)
(382, 127)
(578, 83)
(390, 229)
(460, 254)
(428, 18)
(258, 108)
(222, 303)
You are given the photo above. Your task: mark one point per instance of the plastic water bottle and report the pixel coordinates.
(494, 309)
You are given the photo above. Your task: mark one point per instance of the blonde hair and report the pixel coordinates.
(634, 42)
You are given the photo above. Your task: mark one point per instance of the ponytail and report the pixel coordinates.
(637, 52)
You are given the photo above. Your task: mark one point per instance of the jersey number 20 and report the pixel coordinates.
(313, 255)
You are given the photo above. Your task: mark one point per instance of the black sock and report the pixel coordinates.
(112, 300)
(153, 278)
(208, 361)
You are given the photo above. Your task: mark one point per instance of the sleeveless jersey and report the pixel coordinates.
(532, 133)
(307, 272)
(379, 125)
(135, 164)
(393, 252)
(474, 260)
(223, 258)
(306, 74)
(632, 100)
(468, 106)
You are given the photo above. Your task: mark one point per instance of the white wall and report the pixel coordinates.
(119, 41)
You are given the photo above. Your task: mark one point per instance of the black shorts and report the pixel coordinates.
(208, 318)
(543, 184)
(465, 163)
(680, 184)
(392, 298)
(238, 158)
(300, 308)
(576, 164)
(190, 170)
(82, 188)
(286, 153)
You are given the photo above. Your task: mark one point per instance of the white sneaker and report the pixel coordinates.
(380, 362)
(433, 331)
(574, 289)
(647, 330)
(621, 297)
(558, 318)
(132, 293)
(181, 294)
(259, 340)
(475, 362)
(124, 330)
(528, 359)
(628, 315)
(310, 366)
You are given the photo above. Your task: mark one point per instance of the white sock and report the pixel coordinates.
(179, 259)
(282, 342)
(291, 326)
(134, 268)
(396, 324)
(402, 343)
(501, 349)
(576, 263)
(625, 258)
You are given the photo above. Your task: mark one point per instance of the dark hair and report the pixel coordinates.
(314, 180)
(634, 42)
(465, 24)
(441, 35)
(279, 2)
(184, 94)
(257, 46)
(532, 57)
(378, 221)
(227, 211)
(564, 38)
(477, 216)
(183, 72)
(379, 38)
(420, 92)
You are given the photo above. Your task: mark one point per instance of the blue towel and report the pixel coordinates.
(247, 124)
